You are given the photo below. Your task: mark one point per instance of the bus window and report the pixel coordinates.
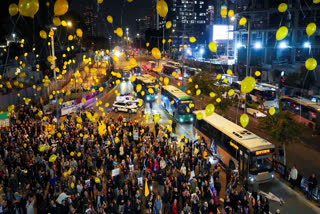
(259, 164)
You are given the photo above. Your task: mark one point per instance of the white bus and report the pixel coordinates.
(238, 148)
(262, 92)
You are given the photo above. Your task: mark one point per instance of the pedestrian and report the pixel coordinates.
(293, 176)
(312, 184)
(157, 205)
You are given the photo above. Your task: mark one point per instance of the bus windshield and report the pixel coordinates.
(260, 164)
(182, 109)
(269, 95)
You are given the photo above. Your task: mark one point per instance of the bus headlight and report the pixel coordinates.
(251, 179)
(181, 120)
(148, 98)
(191, 119)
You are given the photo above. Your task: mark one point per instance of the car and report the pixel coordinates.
(129, 98)
(125, 106)
(136, 71)
(255, 113)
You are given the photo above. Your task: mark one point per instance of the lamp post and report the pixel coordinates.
(138, 36)
(54, 73)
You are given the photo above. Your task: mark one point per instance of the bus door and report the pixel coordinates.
(243, 163)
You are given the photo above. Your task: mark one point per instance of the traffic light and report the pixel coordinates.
(282, 79)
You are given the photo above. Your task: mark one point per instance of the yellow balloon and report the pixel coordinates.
(52, 158)
(28, 8)
(42, 148)
(282, 7)
(64, 23)
(162, 8)
(163, 41)
(99, 1)
(243, 21)
(166, 80)
(13, 9)
(116, 140)
(79, 120)
(79, 32)
(138, 87)
(168, 24)
(132, 78)
(223, 13)
(247, 85)
(156, 53)
(218, 100)
(316, 1)
(230, 92)
(218, 76)
(311, 64)
(244, 120)
(272, 111)
(56, 21)
(212, 47)
(71, 154)
(147, 44)
(257, 73)
(72, 185)
(97, 180)
(209, 110)
(156, 118)
(61, 7)
(119, 32)
(43, 34)
(311, 28)
(115, 58)
(142, 93)
(192, 39)
(229, 71)
(198, 92)
(70, 37)
(110, 19)
(212, 94)
(282, 32)
(199, 116)
(79, 154)
(230, 13)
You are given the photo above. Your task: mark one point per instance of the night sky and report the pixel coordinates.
(131, 11)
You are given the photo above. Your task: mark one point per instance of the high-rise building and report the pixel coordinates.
(143, 24)
(90, 21)
(189, 18)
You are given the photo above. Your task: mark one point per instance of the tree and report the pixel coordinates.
(282, 128)
(205, 84)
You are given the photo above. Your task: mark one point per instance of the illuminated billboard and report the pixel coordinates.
(220, 32)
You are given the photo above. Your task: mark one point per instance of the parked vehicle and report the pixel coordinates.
(130, 98)
(125, 106)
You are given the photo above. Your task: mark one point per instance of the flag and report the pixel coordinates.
(212, 149)
(194, 142)
(146, 189)
(212, 189)
(144, 164)
(192, 175)
(112, 141)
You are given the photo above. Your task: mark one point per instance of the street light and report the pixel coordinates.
(257, 45)
(283, 45)
(53, 28)
(233, 18)
(69, 23)
(307, 45)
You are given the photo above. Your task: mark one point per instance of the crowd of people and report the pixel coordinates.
(145, 170)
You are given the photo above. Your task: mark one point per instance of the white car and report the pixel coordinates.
(129, 98)
(125, 106)
(255, 113)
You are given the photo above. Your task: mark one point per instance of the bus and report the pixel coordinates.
(177, 103)
(260, 92)
(189, 71)
(173, 63)
(237, 148)
(169, 69)
(146, 81)
(303, 110)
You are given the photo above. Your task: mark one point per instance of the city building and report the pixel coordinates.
(142, 24)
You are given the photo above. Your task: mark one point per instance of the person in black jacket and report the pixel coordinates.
(312, 184)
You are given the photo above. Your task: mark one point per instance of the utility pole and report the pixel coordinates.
(54, 74)
(248, 49)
